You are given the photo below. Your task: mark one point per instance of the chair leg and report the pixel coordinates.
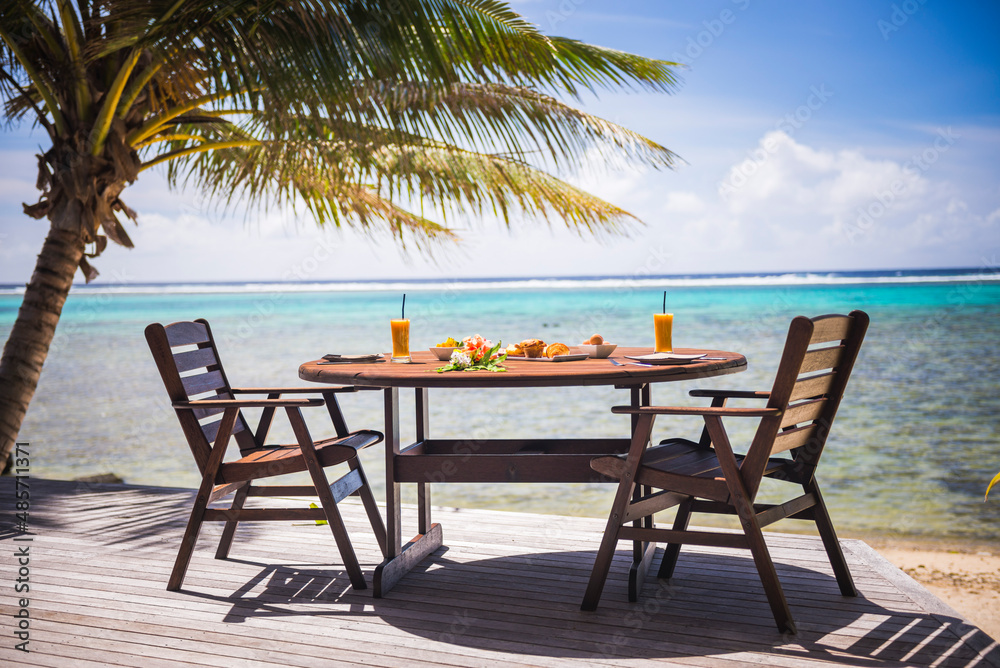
(329, 504)
(833, 550)
(187, 544)
(673, 550)
(230, 529)
(642, 428)
(371, 508)
(742, 501)
(201, 500)
(765, 567)
(605, 554)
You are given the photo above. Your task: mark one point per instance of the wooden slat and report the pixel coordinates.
(503, 595)
(186, 334)
(195, 359)
(652, 504)
(813, 386)
(831, 328)
(203, 382)
(793, 438)
(346, 485)
(211, 429)
(804, 412)
(822, 358)
(709, 538)
(202, 413)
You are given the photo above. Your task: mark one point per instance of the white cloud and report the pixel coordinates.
(684, 202)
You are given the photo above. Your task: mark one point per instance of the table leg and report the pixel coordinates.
(399, 558)
(642, 551)
(423, 488)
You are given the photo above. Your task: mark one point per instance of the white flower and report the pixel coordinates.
(460, 359)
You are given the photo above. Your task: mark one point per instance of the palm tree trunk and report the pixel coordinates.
(28, 344)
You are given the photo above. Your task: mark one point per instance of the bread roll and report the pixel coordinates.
(554, 349)
(596, 340)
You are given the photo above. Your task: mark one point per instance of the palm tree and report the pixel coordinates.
(356, 110)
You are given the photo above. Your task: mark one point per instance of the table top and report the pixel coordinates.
(422, 371)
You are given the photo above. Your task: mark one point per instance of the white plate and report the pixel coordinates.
(557, 358)
(665, 358)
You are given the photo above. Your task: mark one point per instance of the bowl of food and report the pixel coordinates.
(596, 346)
(444, 349)
(443, 353)
(599, 350)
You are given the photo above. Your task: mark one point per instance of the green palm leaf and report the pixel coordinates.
(356, 111)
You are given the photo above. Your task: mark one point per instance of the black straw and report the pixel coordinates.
(402, 313)
(664, 301)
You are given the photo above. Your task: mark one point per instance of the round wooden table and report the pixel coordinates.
(479, 460)
(421, 372)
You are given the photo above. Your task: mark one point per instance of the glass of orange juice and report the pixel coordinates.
(400, 340)
(662, 326)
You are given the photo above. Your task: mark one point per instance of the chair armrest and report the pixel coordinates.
(697, 410)
(730, 394)
(293, 390)
(248, 403)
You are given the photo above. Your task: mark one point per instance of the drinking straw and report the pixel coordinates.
(402, 314)
(664, 300)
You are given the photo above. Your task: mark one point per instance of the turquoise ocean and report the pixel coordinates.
(915, 444)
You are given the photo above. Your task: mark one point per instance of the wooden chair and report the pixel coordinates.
(707, 476)
(209, 414)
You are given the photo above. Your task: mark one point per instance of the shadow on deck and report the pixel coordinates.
(505, 591)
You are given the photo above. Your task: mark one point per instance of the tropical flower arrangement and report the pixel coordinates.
(476, 354)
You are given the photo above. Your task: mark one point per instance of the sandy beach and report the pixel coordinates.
(966, 577)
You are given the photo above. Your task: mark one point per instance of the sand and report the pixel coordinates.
(966, 577)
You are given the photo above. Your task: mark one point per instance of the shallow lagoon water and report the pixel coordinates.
(917, 439)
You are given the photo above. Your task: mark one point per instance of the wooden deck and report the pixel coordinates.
(504, 592)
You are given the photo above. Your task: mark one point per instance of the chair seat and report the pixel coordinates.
(683, 457)
(272, 460)
(676, 464)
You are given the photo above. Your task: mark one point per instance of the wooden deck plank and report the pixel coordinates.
(504, 591)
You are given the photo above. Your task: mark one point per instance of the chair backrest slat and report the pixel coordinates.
(815, 366)
(202, 413)
(821, 358)
(209, 381)
(187, 333)
(807, 411)
(793, 438)
(195, 359)
(831, 328)
(812, 387)
(211, 429)
(203, 374)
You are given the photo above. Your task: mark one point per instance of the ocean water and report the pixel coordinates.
(916, 441)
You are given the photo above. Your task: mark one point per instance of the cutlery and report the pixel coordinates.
(617, 363)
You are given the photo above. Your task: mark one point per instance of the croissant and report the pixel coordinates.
(554, 349)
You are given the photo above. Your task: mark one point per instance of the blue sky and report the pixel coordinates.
(816, 136)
